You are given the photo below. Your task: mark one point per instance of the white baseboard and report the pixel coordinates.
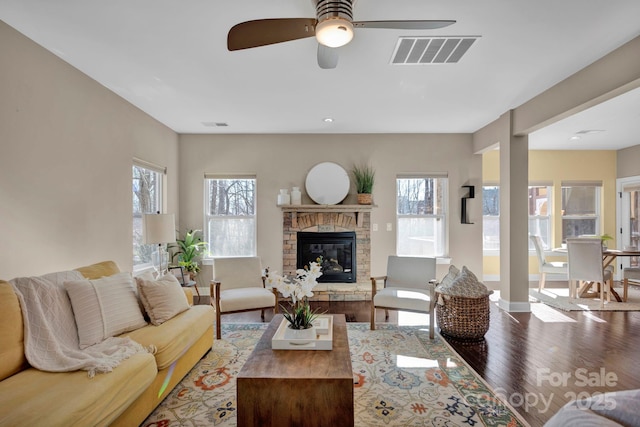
(514, 307)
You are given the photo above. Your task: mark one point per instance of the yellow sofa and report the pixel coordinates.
(124, 397)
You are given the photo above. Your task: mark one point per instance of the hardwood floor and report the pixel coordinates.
(540, 360)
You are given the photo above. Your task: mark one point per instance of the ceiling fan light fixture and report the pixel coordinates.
(334, 32)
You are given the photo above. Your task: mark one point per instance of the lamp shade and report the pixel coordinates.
(159, 228)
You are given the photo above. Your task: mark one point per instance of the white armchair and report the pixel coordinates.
(238, 285)
(408, 286)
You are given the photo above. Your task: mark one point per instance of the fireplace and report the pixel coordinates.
(338, 252)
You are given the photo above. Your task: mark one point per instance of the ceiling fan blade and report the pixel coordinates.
(327, 57)
(262, 32)
(404, 25)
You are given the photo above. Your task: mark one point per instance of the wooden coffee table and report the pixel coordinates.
(297, 387)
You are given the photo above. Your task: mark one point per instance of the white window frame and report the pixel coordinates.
(161, 173)
(441, 250)
(490, 251)
(548, 238)
(597, 217)
(208, 217)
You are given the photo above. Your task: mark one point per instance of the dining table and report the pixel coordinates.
(608, 257)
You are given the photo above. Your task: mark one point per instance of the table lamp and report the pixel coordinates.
(159, 229)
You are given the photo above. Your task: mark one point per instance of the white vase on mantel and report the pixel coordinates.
(283, 197)
(300, 336)
(296, 196)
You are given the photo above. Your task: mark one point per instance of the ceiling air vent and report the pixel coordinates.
(430, 50)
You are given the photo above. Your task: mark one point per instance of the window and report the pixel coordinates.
(490, 218)
(540, 214)
(422, 216)
(540, 211)
(580, 209)
(230, 216)
(147, 198)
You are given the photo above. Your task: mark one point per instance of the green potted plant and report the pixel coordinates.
(190, 248)
(364, 178)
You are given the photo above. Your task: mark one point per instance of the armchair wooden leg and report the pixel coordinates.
(373, 317)
(262, 315)
(386, 315)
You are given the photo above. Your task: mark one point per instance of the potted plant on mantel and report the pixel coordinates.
(364, 177)
(190, 247)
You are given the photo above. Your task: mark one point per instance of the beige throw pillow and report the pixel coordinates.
(104, 307)
(162, 298)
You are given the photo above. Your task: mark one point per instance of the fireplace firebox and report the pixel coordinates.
(338, 252)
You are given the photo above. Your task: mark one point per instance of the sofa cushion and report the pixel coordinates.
(104, 307)
(176, 335)
(37, 398)
(162, 299)
(12, 358)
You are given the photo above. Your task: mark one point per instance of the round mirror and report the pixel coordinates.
(327, 183)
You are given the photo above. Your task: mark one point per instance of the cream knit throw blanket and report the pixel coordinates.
(51, 336)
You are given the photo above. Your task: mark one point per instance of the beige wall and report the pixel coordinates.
(627, 161)
(66, 149)
(555, 167)
(282, 161)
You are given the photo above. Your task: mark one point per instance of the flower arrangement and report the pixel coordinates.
(299, 289)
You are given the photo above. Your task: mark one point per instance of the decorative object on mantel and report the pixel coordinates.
(327, 183)
(300, 328)
(296, 196)
(283, 197)
(365, 178)
(471, 193)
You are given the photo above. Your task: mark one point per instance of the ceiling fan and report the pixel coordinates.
(333, 27)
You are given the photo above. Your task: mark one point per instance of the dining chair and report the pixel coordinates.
(546, 267)
(586, 268)
(407, 286)
(238, 285)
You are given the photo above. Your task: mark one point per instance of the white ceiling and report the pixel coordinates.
(169, 58)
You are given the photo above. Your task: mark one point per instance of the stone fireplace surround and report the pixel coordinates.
(330, 218)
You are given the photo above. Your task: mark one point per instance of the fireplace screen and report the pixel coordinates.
(337, 251)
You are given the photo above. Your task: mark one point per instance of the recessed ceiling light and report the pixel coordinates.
(574, 138)
(327, 120)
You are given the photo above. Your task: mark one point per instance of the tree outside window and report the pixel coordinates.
(540, 210)
(231, 216)
(491, 218)
(421, 216)
(147, 193)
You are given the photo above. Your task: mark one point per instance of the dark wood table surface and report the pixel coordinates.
(297, 387)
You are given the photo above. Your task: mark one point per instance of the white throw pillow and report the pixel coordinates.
(104, 307)
(162, 298)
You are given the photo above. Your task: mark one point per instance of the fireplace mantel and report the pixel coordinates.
(355, 209)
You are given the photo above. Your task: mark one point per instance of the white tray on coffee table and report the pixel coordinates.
(323, 341)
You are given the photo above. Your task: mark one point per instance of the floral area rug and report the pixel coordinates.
(401, 378)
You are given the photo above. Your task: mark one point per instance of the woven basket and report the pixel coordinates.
(463, 318)
(365, 199)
